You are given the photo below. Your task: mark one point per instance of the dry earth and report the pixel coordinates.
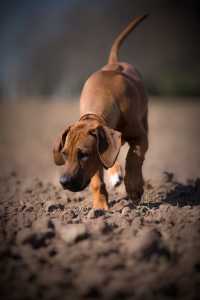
(53, 245)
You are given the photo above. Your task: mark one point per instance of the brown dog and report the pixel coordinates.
(113, 109)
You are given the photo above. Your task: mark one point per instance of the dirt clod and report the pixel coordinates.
(95, 213)
(73, 233)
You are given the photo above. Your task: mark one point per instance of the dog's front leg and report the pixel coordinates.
(99, 192)
(133, 178)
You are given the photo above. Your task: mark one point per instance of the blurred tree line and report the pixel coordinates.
(50, 48)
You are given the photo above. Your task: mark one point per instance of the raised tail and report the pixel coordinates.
(113, 58)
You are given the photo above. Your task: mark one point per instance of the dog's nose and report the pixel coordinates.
(70, 183)
(65, 181)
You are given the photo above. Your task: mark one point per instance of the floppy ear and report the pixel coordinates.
(58, 146)
(108, 145)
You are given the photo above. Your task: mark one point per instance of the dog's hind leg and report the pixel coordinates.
(115, 174)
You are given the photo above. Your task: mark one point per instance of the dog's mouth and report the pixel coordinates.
(74, 185)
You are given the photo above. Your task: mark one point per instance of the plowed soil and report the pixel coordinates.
(53, 245)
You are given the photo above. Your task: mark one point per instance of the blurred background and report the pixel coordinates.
(49, 48)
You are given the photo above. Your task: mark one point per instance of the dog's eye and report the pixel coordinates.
(64, 155)
(82, 155)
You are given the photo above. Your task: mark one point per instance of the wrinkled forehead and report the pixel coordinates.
(79, 137)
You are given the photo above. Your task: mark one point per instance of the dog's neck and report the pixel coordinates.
(94, 114)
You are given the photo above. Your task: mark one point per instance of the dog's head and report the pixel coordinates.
(83, 147)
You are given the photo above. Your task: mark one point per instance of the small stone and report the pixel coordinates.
(29, 208)
(52, 205)
(73, 233)
(126, 210)
(21, 207)
(15, 209)
(69, 214)
(95, 213)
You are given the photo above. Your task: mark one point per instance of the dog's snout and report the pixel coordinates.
(65, 180)
(70, 183)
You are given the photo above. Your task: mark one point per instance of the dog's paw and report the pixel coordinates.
(135, 197)
(116, 179)
(102, 206)
(134, 191)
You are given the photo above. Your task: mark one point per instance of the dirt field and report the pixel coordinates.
(53, 245)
